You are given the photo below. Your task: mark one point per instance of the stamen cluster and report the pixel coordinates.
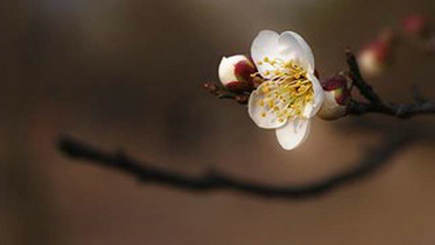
(287, 92)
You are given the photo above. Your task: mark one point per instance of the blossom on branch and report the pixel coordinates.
(291, 94)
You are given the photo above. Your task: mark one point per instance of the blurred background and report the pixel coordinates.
(126, 74)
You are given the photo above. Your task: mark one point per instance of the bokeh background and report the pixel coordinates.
(126, 74)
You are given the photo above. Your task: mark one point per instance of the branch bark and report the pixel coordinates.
(213, 180)
(375, 104)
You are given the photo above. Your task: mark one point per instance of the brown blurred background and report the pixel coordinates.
(127, 73)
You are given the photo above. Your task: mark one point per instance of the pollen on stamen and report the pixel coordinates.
(288, 92)
(265, 89)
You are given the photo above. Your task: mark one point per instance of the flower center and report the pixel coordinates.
(288, 92)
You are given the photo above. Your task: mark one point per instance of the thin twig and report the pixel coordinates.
(375, 104)
(366, 89)
(214, 180)
(221, 93)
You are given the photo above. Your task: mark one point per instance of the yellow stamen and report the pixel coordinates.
(288, 92)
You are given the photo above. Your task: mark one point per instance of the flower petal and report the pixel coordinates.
(287, 46)
(236, 69)
(264, 45)
(227, 67)
(319, 96)
(263, 116)
(293, 133)
(293, 46)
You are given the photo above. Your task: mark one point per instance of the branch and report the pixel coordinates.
(366, 90)
(376, 105)
(221, 93)
(213, 180)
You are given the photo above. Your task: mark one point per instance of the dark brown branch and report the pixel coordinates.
(222, 93)
(375, 104)
(365, 89)
(214, 180)
(397, 110)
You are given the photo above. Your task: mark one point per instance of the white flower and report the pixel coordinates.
(291, 94)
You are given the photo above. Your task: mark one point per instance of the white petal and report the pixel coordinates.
(330, 109)
(287, 46)
(319, 96)
(264, 45)
(293, 133)
(227, 68)
(255, 110)
(293, 46)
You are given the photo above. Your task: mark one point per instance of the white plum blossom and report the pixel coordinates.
(290, 94)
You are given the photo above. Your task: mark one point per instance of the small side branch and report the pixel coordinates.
(420, 106)
(365, 89)
(402, 111)
(221, 93)
(213, 180)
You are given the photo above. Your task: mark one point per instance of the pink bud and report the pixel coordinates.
(414, 24)
(235, 73)
(337, 96)
(374, 57)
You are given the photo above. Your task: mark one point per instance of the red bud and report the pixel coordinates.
(415, 24)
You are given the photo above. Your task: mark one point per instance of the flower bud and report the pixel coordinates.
(235, 73)
(337, 97)
(415, 24)
(374, 58)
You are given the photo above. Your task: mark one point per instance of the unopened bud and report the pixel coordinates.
(374, 58)
(235, 73)
(337, 97)
(415, 24)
